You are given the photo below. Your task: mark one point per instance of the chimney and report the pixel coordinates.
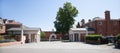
(107, 15)
(83, 23)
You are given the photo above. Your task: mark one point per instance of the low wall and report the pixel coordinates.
(9, 43)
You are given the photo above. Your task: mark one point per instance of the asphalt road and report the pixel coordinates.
(58, 47)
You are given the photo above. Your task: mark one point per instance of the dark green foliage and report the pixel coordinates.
(65, 18)
(93, 37)
(118, 36)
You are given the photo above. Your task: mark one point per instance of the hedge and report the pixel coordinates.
(94, 37)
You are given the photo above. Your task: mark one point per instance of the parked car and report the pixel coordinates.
(117, 44)
(117, 41)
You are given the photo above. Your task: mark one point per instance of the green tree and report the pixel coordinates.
(65, 18)
(42, 34)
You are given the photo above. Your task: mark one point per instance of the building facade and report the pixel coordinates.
(51, 36)
(18, 31)
(2, 26)
(105, 27)
(7, 24)
(77, 34)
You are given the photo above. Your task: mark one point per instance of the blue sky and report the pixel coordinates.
(42, 13)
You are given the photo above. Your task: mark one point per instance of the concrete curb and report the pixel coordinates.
(9, 43)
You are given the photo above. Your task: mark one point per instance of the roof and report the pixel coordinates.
(18, 29)
(78, 29)
(97, 18)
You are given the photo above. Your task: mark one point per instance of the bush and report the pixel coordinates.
(93, 37)
(1, 37)
(42, 34)
(118, 36)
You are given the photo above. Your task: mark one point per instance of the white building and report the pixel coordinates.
(26, 34)
(77, 34)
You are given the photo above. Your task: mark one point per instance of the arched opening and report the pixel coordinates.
(52, 37)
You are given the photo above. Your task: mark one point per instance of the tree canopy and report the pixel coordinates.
(65, 18)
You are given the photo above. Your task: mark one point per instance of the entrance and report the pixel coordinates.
(52, 37)
(76, 37)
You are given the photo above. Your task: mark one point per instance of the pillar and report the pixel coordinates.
(22, 34)
(73, 37)
(70, 37)
(29, 37)
(79, 36)
(38, 38)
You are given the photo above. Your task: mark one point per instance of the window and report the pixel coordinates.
(115, 30)
(90, 24)
(115, 23)
(99, 23)
(100, 30)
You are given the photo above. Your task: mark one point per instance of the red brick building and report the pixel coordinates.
(11, 29)
(105, 27)
(7, 24)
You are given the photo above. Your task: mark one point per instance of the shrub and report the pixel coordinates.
(42, 34)
(1, 37)
(118, 36)
(93, 37)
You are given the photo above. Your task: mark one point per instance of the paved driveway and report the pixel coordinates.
(58, 47)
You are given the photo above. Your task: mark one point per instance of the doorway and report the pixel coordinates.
(76, 37)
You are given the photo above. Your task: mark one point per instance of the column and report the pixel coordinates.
(69, 37)
(35, 37)
(29, 37)
(38, 38)
(79, 36)
(22, 33)
(73, 37)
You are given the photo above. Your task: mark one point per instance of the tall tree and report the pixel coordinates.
(78, 25)
(65, 18)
